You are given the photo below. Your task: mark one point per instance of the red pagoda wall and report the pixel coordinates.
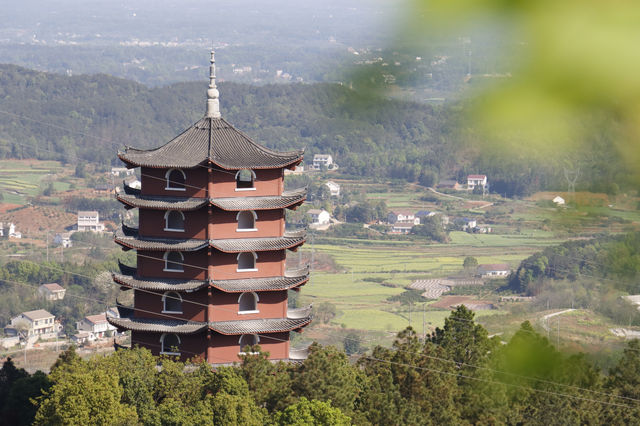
(151, 265)
(154, 182)
(152, 224)
(227, 347)
(150, 305)
(267, 182)
(225, 265)
(191, 345)
(271, 304)
(270, 223)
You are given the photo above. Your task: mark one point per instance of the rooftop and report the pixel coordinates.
(211, 140)
(128, 237)
(288, 199)
(37, 314)
(53, 287)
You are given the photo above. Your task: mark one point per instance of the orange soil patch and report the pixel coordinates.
(34, 221)
(6, 206)
(447, 302)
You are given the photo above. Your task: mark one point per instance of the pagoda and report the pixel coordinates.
(211, 245)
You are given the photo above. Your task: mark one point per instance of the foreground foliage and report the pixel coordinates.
(458, 375)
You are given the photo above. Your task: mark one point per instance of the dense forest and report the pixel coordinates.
(49, 116)
(458, 375)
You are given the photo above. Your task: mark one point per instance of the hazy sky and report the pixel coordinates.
(227, 21)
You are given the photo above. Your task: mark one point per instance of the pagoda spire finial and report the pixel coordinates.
(213, 104)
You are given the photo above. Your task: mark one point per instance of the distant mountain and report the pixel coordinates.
(50, 116)
(88, 117)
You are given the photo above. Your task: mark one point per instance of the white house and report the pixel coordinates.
(494, 270)
(52, 291)
(402, 227)
(117, 171)
(469, 224)
(403, 216)
(37, 323)
(319, 217)
(89, 221)
(322, 160)
(97, 325)
(559, 201)
(10, 229)
(476, 180)
(63, 239)
(334, 188)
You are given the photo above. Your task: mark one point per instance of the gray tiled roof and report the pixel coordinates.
(287, 199)
(260, 284)
(161, 203)
(128, 237)
(291, 279)
(214, 140)
(157, 325)
(164, 284)
(237, 245)
(269, 325)
(157, 244)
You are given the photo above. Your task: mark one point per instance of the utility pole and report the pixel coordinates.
(424, 334)
(558, 336)
(409, 314)
(47, 246)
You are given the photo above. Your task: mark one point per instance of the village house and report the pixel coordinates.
(559, 201)
(468, 225)
(402, 227)
(119, 171)
(52, 291)
(63, 239)
(403, 216)
(9, 230)
(89, 221)
(319, 217)
(36, 323)
(96, 325)
(322, 160)
(493, 270)
(476, 180)
(450, 184)
(334, 188)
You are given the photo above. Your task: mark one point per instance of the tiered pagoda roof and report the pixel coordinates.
(211, 140)
(129, 238)
(291, 279)
(288, 199)
(296, 319)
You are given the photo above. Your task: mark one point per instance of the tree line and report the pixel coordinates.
(457, 375)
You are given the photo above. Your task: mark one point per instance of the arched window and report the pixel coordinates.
(170, 344)
(175, 180)
(172, 302)
(174, 221)
(247, 220)
(248, 340)
(247, 261)
(244, 179)
(173, 261)
(248, 303)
